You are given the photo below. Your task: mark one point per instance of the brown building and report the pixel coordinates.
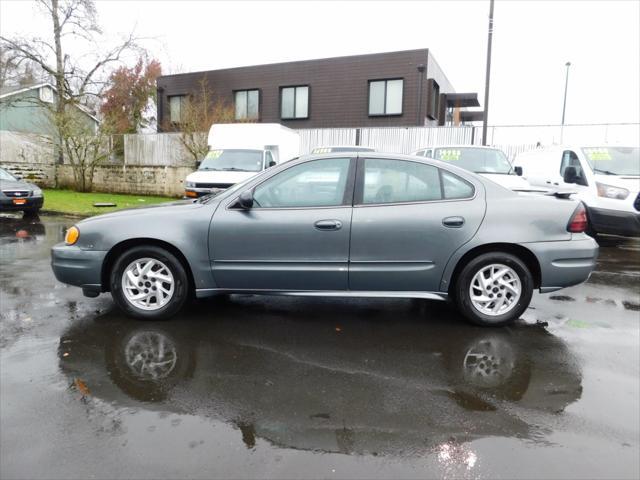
(406, 88)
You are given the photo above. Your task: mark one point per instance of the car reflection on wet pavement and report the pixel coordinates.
(301, 388)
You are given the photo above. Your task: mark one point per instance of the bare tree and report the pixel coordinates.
(76, 79)
(197, 113)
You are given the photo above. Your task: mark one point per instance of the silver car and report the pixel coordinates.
(354, 225)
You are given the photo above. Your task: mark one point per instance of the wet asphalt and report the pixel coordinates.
(276, 387)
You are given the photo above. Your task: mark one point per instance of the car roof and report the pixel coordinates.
(342, 146)
(485, 147)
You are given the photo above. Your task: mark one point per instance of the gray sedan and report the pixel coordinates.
(354, 225)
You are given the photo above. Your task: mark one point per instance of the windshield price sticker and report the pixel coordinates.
(597, 154)
(213, 154)
(450, 155)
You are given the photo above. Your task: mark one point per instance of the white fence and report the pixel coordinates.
(159, 149)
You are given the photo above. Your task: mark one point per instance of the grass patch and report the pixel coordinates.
(75, 203)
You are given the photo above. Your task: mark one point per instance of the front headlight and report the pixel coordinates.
(37, 192)
(609, 191)
(72, 235)
(190, 184)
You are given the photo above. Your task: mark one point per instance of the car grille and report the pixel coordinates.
(213, 185)
(636, 204)
(17, 193)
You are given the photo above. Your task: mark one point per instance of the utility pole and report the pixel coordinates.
(564, 102)
(566, 85)
(488, 75)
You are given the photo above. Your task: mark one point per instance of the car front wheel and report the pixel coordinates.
(494, 289)
(149, 282)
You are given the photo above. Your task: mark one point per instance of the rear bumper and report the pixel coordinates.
(31, 203)
(615, 222)
(565, 263)
(74, 266)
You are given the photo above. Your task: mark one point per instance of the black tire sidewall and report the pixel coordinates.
(181, 288)
(463, 299)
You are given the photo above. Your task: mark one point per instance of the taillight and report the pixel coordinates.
(579, 221)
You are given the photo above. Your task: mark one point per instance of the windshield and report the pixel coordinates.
(614, 160)
(478, 160)
(233, 160)
(4, 175)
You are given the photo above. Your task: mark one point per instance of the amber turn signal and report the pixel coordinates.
(72, 236)
(187, 193)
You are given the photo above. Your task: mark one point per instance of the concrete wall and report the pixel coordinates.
(136, 179)
(28, 156)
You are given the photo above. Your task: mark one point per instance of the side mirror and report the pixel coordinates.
(272, 163)
(245, 200)
(518, 170)
(570, 175)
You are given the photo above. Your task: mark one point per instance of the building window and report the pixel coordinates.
(247, 104)
(434, 99)
(176, 108)
(385, 97)
(294, 102)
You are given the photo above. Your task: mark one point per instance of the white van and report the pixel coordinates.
(605, 178)
(238, 151)
(489, 162)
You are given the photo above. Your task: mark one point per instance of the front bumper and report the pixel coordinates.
(565, 263)
(74, 266)
(31, 203)
(614, 222)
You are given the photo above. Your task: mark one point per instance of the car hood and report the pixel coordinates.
(219, 176)
(172, 208)
(512, 182)
(16, 184)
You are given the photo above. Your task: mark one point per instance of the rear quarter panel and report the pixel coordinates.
(517, 219)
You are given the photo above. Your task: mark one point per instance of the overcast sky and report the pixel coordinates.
(532, 42)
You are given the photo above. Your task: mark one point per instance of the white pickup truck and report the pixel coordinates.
(238, 151)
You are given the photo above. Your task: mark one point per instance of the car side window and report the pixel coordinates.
(268, 158)
(570, 159)
(396, 181)
(318, 183)
(419, 153)
(455, 187)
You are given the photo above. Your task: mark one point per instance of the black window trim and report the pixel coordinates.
(258, 118)
(385, 80)
(295, 99)
(359, 186)
(347, 199)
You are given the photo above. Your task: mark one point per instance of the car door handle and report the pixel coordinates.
(328, 224)
(453, 222)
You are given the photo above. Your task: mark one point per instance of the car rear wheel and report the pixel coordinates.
(149, 282)
(494, 289)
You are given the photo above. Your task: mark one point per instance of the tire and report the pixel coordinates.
(161, 305)
(518, 275)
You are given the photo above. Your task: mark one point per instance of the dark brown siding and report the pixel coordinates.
(338, 88)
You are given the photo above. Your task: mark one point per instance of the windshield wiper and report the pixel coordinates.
(208, 168)
(234, 169)
(606, 172)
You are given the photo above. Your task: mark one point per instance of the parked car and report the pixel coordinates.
(341, 148)
(17, 195)
(240, 151)
(489, 162)
(605, 178)
(395, 226)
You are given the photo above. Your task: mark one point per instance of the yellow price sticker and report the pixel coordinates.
(213, 154)
(598, 154)
(449, 155)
